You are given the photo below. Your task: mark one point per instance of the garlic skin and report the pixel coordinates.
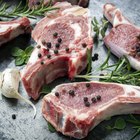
(9, 83)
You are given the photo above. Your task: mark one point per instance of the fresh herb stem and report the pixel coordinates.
(119, 72)
(20, 10)
(99, 28)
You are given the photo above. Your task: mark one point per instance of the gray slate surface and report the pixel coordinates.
(24, 127)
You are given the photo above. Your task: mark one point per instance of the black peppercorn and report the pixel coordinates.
(138, 37)
(71, 92)
(49, 56)
(49, 44)
(87, 85)
(94, 100)
(98, 97)
(57, 94)
(95, 57)
(47, 49)
(59, 40)
(55, 34)
(42, 62)
(13, 116)
(57, 45)
(85, 99)
(87, 104)
(38, 46)
(43, 42)
(39, 55)
(56, 51)
(138, 54)
(67, 49)
(84, 45)
(38, 3)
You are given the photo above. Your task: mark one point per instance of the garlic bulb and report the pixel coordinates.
(9, 83)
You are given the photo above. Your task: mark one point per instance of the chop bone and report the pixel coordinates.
(69, 114)
(123, 39)
(61, 50)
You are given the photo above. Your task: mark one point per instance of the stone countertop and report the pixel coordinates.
(24, 127)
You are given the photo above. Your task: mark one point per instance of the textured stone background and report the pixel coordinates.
(27, 128)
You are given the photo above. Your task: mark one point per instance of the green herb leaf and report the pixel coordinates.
(29, 50)
(119, 124)
(135, 134)
(27, 59)
(21, 56)
(99, 29)
(89, 58)
(51, 128)
(46, 89)
(108, 127)
(19, 61)
(95, 20)
(17, 52)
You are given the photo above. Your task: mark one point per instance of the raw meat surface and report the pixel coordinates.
(124, 37)
(68, 110)
(62, 43)
(34, 3)
(11, 29)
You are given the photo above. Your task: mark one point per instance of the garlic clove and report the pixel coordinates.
(9, 83)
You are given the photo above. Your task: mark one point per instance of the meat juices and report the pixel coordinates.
(11, 29)
(124, 37)
(62, 42)
(76, 115)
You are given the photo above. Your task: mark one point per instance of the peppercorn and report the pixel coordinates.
(85, 99)
(59, 40)
(71, 92)
(101, 74)
(87, 85)
(47, 49)
(13, 116)
(38, 3)
(43, 42)
(84, 45)
(42, 62)
(55, 34)
(57, 94)
(94, 100)
(138, 37)
(56, 51)
(95, 57)
(57, 45)
(138, 54)
(87, 104)
(49, 56)
(67, 49)
(39, 55)
(49, 44)
(98, 97)
(38, 46)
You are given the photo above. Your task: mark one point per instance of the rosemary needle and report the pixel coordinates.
(20, 10)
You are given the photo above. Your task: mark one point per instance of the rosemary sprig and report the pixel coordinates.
(119, 72)
(136, 123)
(21, 11)
(99, 28)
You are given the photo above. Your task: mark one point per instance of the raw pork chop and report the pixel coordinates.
(62, 44)
(124, 38)
(12, 29)
(34, 3)
(75, 109)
